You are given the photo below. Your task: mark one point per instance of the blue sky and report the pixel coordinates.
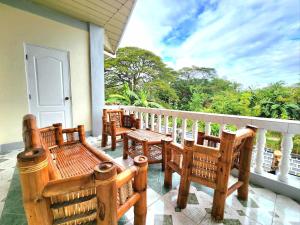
(253, 42)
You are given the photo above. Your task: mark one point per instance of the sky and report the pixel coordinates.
(253, 42)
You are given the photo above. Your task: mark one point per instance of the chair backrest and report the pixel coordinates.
(233, 145)
(113, 115)
(211, 140)
(205, 161)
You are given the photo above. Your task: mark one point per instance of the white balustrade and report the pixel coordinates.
(174, 130)
(260, 149)
(147, 120)
(183, 130)
(159, 124)
(195, 130)
(152, 121)
(166, 124)
(286, 149)
(287, 127)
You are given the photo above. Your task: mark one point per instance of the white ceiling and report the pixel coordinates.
(112, 15)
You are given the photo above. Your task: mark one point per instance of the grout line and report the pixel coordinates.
(274, 209)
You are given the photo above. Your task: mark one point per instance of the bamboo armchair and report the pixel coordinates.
(65, 181)
(211, 165)
(115, 123)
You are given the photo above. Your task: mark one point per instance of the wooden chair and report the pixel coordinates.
(211, 165)
(66, 181)
(115, 123)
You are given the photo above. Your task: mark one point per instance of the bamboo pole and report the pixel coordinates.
(106, 190)
(168, 171)
(245, 163)
(223, 173)
(58, 133)
(184, 187)
(33, 168)
(81, 133)
(140, 186)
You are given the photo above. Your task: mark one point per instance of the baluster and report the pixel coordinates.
(152, 121)
(207, 131)
(183, 134)
(166, 124)
(136, 114)
(195, 130)
(286, 149)
(260, 149)
(222, 127)
(174, 130)
(142, 120)
(147, 120)
(159, 124)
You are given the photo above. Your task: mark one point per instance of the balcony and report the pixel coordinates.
(273, 198)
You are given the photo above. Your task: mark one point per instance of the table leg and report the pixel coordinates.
(125, 147)
(146, 149)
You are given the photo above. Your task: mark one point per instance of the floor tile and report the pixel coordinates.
(287, 211)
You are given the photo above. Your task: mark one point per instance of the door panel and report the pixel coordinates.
(49, 75)
(49, 85)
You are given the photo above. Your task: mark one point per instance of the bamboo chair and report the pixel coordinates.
(65, 181)
(115, 123)
(211, 165)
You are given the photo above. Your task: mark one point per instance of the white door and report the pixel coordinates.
(48, 85)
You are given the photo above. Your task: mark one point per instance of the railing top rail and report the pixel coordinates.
(279, 125)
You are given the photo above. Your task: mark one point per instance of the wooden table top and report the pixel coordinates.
(147, 135)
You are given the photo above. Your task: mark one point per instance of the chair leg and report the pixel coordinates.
(168, 177)
(104, 140)
(183, 193)
(218, 205)
(113, 142)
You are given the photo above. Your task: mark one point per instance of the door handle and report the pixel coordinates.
(67, 98)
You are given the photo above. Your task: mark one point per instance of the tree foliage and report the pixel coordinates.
(141, 76)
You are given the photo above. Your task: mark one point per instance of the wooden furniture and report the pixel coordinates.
(66, 181)
(115, 123)
(147, 143)
(211, 166)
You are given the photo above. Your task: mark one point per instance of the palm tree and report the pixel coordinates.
(129, 97)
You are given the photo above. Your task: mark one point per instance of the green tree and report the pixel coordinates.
(135, 67)
(129, 97)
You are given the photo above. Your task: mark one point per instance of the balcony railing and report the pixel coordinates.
(152, 118)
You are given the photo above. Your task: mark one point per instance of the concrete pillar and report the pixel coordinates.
(97, 76)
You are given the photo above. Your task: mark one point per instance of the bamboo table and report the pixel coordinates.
(147, 143)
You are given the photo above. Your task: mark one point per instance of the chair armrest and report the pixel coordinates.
(68, 185)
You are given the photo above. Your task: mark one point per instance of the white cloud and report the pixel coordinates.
(253, 42)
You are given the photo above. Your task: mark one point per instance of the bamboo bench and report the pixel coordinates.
(65, 181)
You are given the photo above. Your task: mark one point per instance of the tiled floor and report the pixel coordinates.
(263, 206)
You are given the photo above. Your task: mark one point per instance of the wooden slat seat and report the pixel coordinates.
(122, 130)
(74, 159)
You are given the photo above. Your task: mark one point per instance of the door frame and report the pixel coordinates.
(25, 45)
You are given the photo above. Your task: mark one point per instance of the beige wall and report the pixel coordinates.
(19, 27)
